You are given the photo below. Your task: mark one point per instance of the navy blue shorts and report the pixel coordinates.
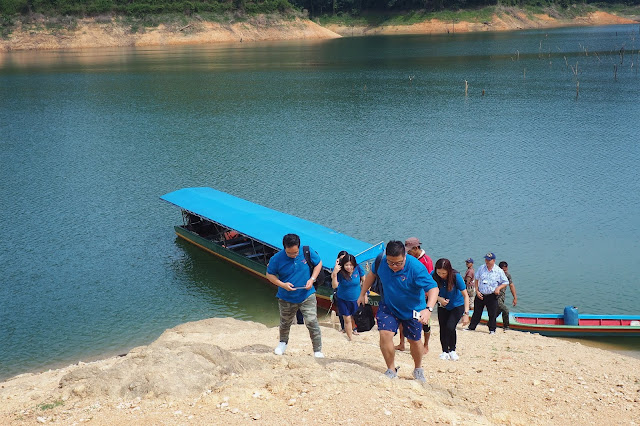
(346, 307)
(388, 322)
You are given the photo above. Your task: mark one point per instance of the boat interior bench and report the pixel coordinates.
(239, 245)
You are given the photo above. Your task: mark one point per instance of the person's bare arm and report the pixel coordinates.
(366, 285)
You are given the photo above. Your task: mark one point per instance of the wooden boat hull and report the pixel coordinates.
(588, 325)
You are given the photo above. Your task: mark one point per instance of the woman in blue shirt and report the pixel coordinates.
(453, 304)
(335, 294)
(346, 277)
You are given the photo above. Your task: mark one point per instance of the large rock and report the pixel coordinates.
(184, 361)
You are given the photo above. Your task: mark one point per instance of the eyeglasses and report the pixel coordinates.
(292, 253)
(395, 263)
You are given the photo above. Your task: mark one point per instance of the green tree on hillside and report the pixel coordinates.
(314, 7)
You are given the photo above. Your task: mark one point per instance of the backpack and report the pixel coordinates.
(377, 284)
(364, 318)
(321, 276)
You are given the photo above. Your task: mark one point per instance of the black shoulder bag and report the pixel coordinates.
(320, 279)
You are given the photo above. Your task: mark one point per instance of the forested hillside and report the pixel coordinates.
(314, 7)
(139, 7)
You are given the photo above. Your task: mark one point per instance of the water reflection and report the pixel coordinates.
(228, 290)
(629, 346)
(208, 57)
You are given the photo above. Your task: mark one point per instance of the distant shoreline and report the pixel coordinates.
(513, 21)
(96, 33)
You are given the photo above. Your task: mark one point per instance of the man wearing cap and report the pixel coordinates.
(469, 278)
(412, 246)
(502, 306)
(489, 280)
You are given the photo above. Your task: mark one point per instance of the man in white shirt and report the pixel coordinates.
(489, 280)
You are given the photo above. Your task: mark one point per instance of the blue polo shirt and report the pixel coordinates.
(455, 296)
(403, 291)
(295, 271)
(349, 288)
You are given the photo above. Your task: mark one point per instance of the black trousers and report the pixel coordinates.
(448, 319)
(491, 302)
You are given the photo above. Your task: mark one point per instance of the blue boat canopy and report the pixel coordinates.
(269, 226)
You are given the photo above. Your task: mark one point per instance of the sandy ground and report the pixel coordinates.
(223, 371)
(91, 33)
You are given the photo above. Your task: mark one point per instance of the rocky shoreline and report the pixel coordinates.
(95, 33)
(223, 371)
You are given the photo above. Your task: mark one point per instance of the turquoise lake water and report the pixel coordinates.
(371, 136)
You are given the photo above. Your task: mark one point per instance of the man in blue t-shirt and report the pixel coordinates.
(288, 269)
(404, 283)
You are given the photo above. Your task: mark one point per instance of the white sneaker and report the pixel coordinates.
(444, 356)
(492, 332)
(453, 356)
(318, 354)
(279, 350)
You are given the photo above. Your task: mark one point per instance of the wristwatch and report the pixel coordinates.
(466, 313)
(430, 309)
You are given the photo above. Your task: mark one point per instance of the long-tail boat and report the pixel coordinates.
(248, 234)
(577, 325)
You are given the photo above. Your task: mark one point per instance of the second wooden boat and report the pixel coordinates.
(572, 324)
